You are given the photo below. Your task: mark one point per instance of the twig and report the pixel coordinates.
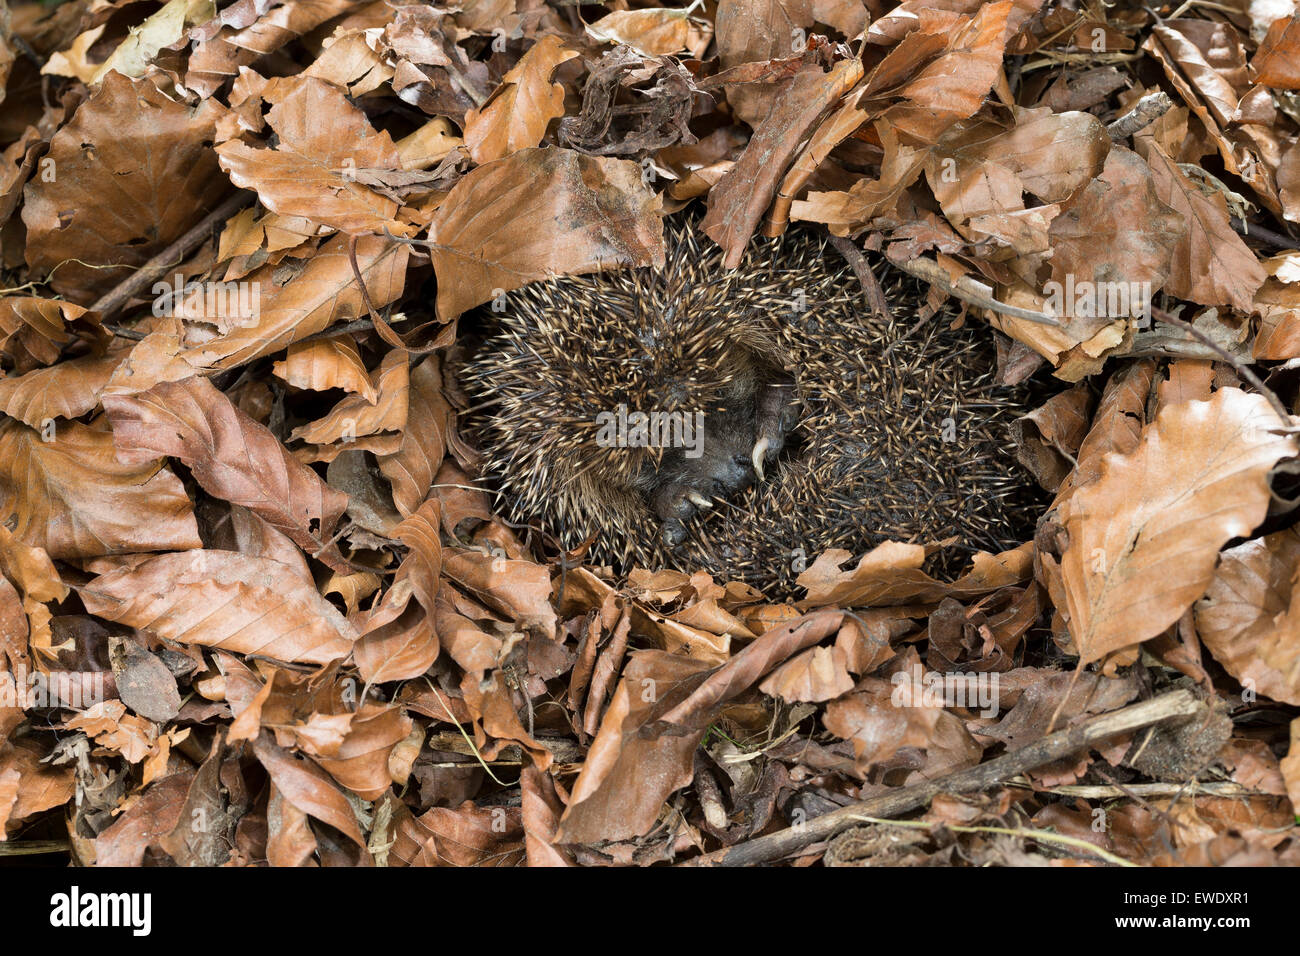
(1042, 836)
(1217, 788)
(116, 298)
(33, 847)
(866, 278)
(969, 291)
(1263, 234)
(1145, 112)
(1063, 743)
(1242, 369)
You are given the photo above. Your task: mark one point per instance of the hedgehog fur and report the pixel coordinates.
(825, 426)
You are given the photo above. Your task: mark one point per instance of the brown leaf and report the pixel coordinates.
(34, 786)
(400, 648)
(891, 574)
(519, 111)
(466, 836)
(1048, 438)
(1277, 62)
(1250, 615)
(1145, 537)
(1093, 238)
(66, 390)
(230, 455)
(220, 599)
(817, 674)
(295, 304)
(754, 32)
(324, 364)
(411, 469)
(737, 202)
(652, 32)
(520, 590)
(72, 497)
(356, 416)
(627, 775)
(145, 823)
(879, 720)
(538, 213)
(1211, 264)
(143, 681)
(360, 760)
(324, 141)
(308, 788)
(107, 207)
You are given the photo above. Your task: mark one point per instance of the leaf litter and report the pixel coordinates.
(247, 573)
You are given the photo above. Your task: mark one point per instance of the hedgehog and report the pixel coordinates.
(740, 421)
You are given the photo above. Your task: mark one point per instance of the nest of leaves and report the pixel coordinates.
(255, 608)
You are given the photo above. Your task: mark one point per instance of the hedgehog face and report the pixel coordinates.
(651, 413)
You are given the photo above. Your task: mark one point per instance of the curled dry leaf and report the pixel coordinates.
(67, 390)
(652, 32)
(230, 455)
(1211, 264)
(225, 600)
(106, 206)
(1144, 538)
(324, 142)
(881, 717)
(1250, 615)
(144, 823)
(1277, 62)
(359, 761)
(324, 364)
(518, 113)
(74, 498)
(627, 775)
(356, 416)
(112, 728)
(538, 213)
(399, 640)
(411, 469)
(295, 304)
(307, 788)
(891, 574)
(466, 836)
(520, 590)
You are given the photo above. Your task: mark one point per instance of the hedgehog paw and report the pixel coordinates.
(777, 415)
(709, 479)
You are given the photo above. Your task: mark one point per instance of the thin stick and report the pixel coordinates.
(1042, 836)
(1252, 231)
(1217, 788)
(969, 291)
(1228, 357)
(866, 278)
(1063, 743)
(33, 847)
(111, 302)
(1145, 112)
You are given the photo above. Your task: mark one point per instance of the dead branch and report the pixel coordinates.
(111, 302)
(1063, 743)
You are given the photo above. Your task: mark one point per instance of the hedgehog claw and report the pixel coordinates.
(697, 499)
(760, 452)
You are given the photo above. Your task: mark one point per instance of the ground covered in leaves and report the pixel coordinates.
(255, 608)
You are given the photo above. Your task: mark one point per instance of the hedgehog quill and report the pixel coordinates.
(741, 421)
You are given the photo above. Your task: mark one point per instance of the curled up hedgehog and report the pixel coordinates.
(740, 421)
